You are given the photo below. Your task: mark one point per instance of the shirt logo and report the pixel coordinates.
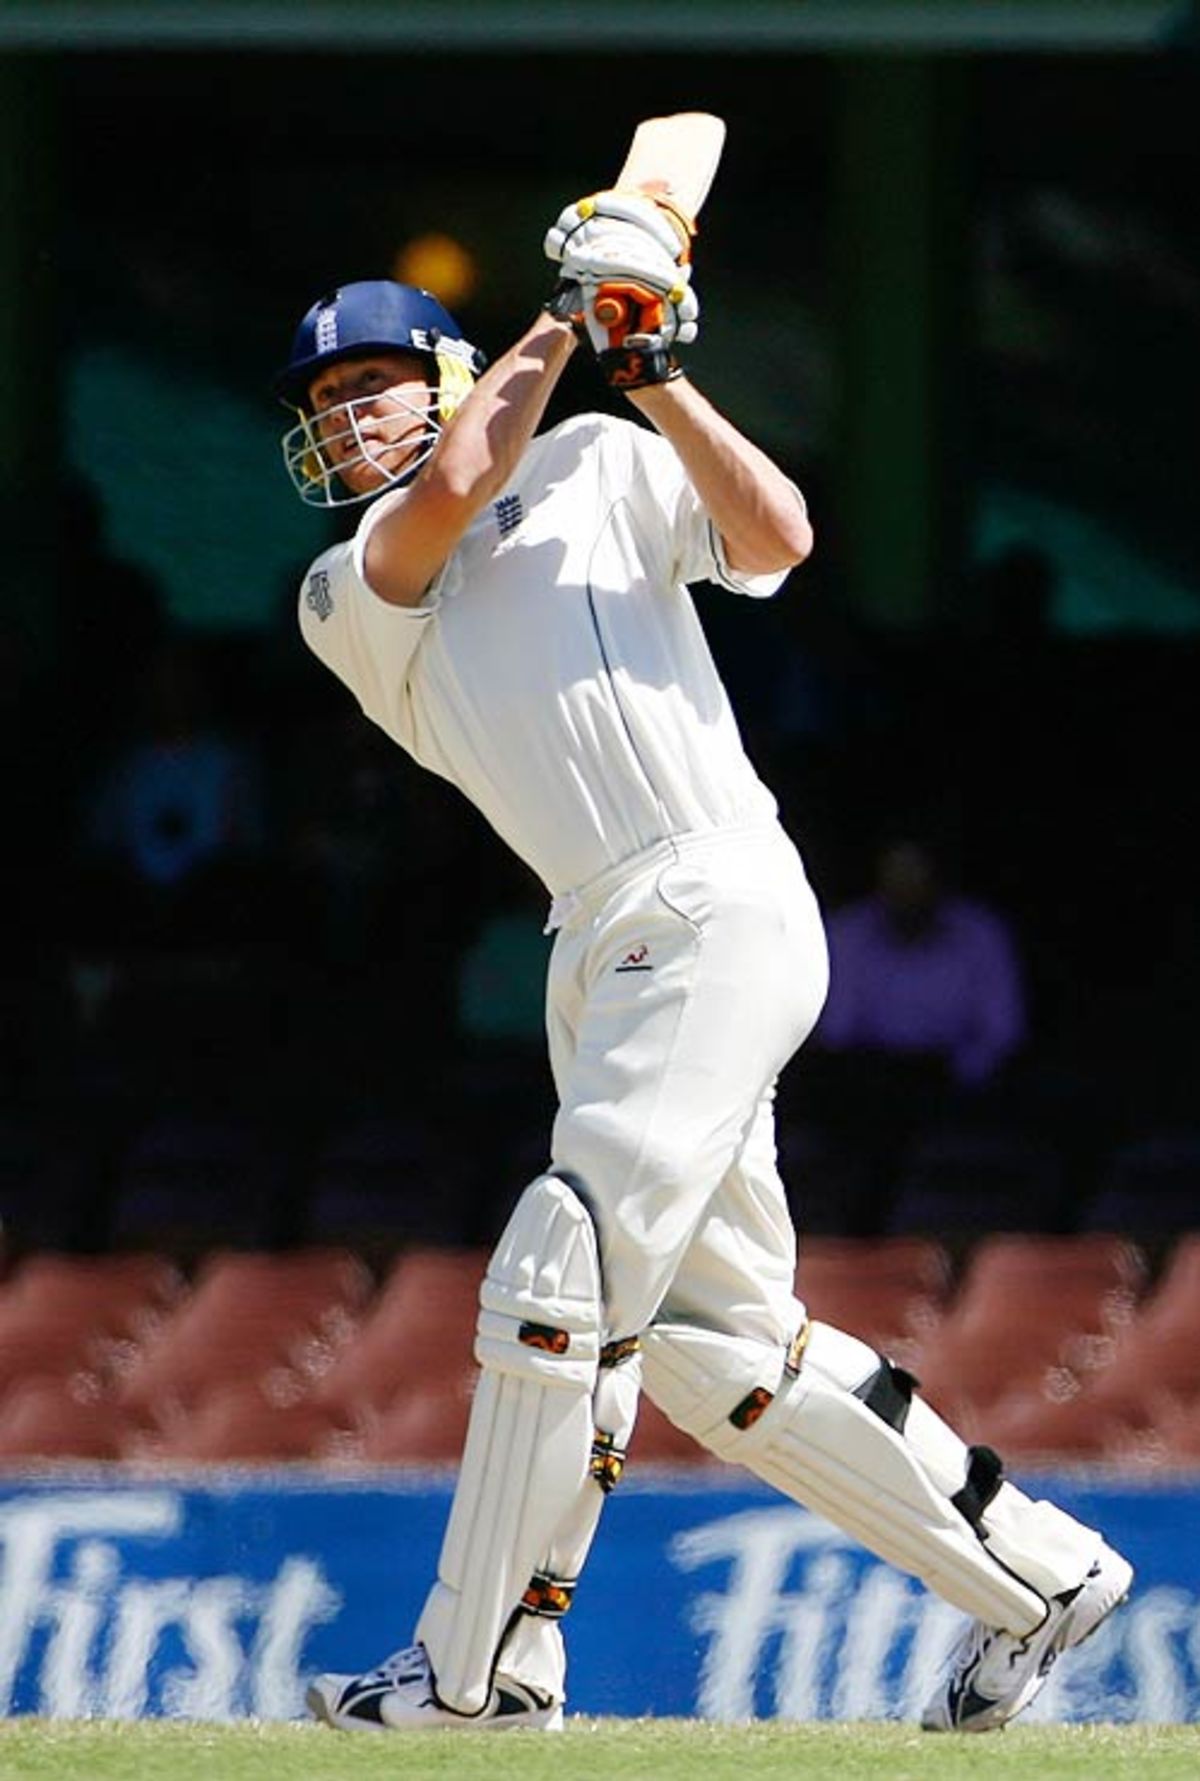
(317, 596)
(638, 959)
(509, 513)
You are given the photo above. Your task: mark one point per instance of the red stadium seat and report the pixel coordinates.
(1108, 1392)
(248, 1317)
(238, 1422)
(887, 1290)
(656, 1440)
(59, 1313)
(1028, 1306)
(417, 1339)
(52, 1418)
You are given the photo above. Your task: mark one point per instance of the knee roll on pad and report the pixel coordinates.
(539, 1305)
(529, 1442)
(827, 1436)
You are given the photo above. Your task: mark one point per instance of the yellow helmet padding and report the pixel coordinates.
(455, 382)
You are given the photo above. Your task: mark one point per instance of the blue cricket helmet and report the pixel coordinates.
(376, 315)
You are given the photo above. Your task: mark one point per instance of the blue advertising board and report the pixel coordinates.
(215, 1596)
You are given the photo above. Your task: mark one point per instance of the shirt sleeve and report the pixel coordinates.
(367, 642)
(660, 478)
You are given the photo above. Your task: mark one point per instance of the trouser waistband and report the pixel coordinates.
(586, 898)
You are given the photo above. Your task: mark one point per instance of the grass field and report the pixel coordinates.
(618, 1750)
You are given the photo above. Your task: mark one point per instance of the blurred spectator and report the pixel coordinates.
(174, 820)
(183, 792)
(918, 972)
(350, 830)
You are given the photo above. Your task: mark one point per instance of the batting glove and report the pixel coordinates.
(632, 329)
(579, 223)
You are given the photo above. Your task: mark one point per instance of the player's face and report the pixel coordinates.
(371, 416)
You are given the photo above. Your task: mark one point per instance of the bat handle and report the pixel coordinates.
(610, 310)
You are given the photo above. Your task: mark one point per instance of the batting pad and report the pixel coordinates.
(814, 1439)
(529, 1440)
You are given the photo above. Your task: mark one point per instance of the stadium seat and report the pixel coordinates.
(237, 1422)
(417, 1338)
(424, 1427)
(1178, 1432)
(1026, 1307)
(61, 1313)
(317, 1278)
(656, 1441)
(249, 1316)
(887, 1290)
(115, 1286)
(1049, 1420)
(52, 1418)
(1107, 1396)
(1105, 1257)
(1157, 1359)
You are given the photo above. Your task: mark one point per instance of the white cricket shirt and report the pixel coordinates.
(556, 670)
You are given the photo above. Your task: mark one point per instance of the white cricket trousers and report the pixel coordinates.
(680, 984)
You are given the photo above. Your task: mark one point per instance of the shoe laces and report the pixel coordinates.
(409, 1664)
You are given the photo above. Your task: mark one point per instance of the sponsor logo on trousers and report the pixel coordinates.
(85, 1635)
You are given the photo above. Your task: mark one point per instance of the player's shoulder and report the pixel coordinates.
(326, 583)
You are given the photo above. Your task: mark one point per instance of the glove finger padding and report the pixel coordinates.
(607, 250)
(657, 222)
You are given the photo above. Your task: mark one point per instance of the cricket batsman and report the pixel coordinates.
(513, 610)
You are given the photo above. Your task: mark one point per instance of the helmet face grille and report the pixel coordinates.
(348, 437)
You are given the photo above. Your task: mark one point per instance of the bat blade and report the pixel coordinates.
(675, 158)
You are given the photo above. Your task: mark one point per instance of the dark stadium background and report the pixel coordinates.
(952, 282)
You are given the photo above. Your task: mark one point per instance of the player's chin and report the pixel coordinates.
(366, 476)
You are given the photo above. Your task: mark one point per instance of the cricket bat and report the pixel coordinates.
(675, 159)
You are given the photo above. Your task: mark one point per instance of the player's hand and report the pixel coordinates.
(615, 253)
(608, 312)
(619, 309)
(632, 329)
(582, 223)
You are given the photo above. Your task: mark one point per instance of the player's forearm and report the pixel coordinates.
(475, 458)
(754, 506)
(484, 442)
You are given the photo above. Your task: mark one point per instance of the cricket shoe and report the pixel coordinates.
(993, 1675)
(399, 1696)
